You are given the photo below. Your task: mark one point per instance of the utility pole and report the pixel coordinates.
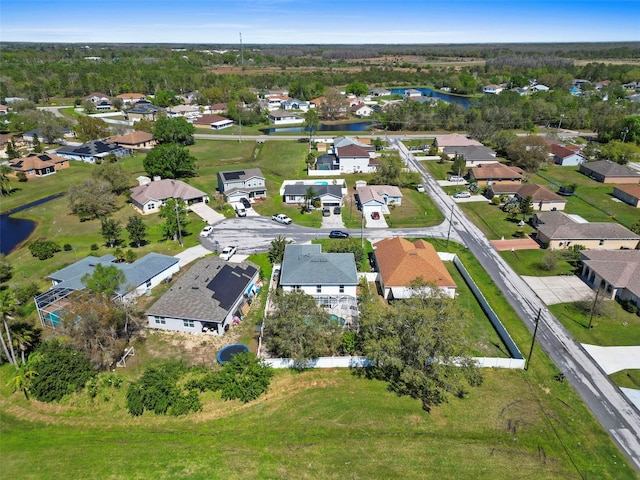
(241, 51)
(624, 134)
(450, 225)
(533, 340)
(560, 124)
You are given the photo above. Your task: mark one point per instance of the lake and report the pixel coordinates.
(464, 102)
(333, 127)
(14, 231)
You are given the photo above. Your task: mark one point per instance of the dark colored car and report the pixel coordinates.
(245, 203)
(336, 210)
(338, 234)
(326, 212)
(375, 215)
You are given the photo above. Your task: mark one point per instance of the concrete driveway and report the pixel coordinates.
(207, 213)
(559, 289)
(333, 221)
(614, 359)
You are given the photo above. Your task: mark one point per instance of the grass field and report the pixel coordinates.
(527, 262)
(493, 222)
(627, 378)
(317, 424)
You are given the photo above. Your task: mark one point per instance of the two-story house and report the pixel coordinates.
(249, 183)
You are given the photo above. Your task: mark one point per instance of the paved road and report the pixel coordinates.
(55, 110)
(612, 409)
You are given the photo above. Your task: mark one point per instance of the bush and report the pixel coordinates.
(67, 247)
(94, 247)
(25, 293)
(629, 306)
(244, 378)
(43, 249)
(22, 177)
(60, 370)
(495, 201)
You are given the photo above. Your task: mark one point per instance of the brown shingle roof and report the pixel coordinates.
(561, 151)
(133, 138)
(163, 189)
(539, 194)
(633, 190)
(35, 161)
(496, 170)
(209, 119)
(401, 262)
(352, 151)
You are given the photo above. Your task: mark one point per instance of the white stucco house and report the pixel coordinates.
(378, 198)
(280, 117)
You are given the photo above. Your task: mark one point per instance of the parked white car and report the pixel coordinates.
(463, 194)
(456, 178)
(206, 231)
(228, 252)
(281, 218)
(420, 188)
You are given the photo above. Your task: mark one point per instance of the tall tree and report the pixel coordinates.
(357, 88)
(36, 146)
(91, 128)
(5, 183)
(173, 130)
(525, 205)
(174, 213)
(528, 152)
(311, 123)
(7, 308)
(11, 151)
(419, 347)
(105, 279)
(459, 166)
(113, 173)
(137, 230)
(299, 329)
(170, 160)
(92, 199)
(6, 270)
(111, 231)
(276, 251)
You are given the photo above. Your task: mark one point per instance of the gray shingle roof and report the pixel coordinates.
(136, 273)
(164, 189)
(558, 226)
(609, 169)
(296, 189)
(206, 291)
(307, 265)
(620, 268)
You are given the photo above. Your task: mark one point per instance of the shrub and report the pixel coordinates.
(43, 249)
(94, 247)
(495, 201)
(244, 378)
(25, 293)
(22, 177)
(60, 370)
(629, 306)
(67, 247)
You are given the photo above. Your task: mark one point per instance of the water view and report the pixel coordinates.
(464, 102)
(334, 127)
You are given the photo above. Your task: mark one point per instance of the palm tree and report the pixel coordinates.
(5, 185)
(309, 195)
(22, 380)
(7, 307)
(22, 340)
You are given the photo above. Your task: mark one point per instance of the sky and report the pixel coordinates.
(319, 21)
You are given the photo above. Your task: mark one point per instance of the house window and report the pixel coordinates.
(148, 284)
(601, 242)
(188, 323)
(160, 321)
(296, 287)
(318, 288)
(341, 288)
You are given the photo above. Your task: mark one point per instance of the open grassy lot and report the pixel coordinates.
(592, 200)
(493, 222)
(615, 327)
(317, 424)
(528, 262)
(627, 378)
(438, 170)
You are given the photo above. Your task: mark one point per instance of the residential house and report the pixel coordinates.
(274, 102)
(280, 117)
(490, 173)
(473, 155)
(137, 140)
(131, 98)
(140, 277)
(236, 184)
(213, 121)
(454, 140)
(39, 164)
(606, 171)
(327, 161)
(328, 194)
(149, 197)
(210, 297)
(218, 108)
(566, 156)
(144, 111)
(295, 104)
(378, 198)
(538, 87)
(185, 111)
(27, 137)
(356, 159)
(558, 230)
(402, 263)
(93, 151)
(616, 273)
(4, 110)
(361, 110)
(411, 92)
(330, 278)
(379, 92)
(96, 98)
(542, 199)
(492, 89)
(103, 106)
(629, 194)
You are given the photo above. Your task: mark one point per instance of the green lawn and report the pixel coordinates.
(592, 200)
(527, 262)
(317, 424)
(627, 378)
(493, 221)
(615, 328)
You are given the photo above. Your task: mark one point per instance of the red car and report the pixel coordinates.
(375, 215)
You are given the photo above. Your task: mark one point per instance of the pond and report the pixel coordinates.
(464, 102)
(334, 127)
(14, 231)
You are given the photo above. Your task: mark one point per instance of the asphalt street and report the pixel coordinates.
(613, 410)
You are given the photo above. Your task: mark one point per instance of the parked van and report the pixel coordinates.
(241, 211)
